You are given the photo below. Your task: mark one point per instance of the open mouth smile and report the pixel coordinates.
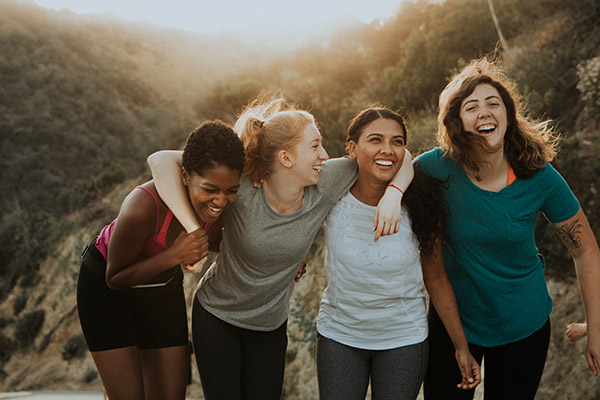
(384, 163)
(486, 129)
(214, 210)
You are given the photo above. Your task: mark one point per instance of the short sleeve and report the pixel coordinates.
(561, 204)
(432, 163)
(337, 177)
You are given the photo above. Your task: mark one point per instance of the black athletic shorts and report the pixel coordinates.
(147, 318)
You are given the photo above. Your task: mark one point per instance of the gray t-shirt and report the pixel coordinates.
(251, 282)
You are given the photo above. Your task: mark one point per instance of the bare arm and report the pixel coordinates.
(577, 236)
(166, 172)
(387, 214)
(135, 225)
(443, 299)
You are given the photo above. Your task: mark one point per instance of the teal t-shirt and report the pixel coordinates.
(490, 252)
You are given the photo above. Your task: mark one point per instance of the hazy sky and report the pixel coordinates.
(208, 16)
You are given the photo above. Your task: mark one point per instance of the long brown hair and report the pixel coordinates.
(528, 144)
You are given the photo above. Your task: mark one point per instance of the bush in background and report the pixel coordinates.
(28, 326)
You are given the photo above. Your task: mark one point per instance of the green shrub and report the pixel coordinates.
(27, 280)
(589, 82)
(19, 304)
(7, 346)
(90, 376)
(28, 326)
(5, 321)
(74, 347)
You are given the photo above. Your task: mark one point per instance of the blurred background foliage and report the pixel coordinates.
(84, 101)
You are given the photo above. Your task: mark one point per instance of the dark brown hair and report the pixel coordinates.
(423, 198)
(368, 115)
(528, 144)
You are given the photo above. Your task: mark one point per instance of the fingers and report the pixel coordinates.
(196, 267)
(301, 271)
(384, 228)
(592, 363)
(470, 379)
(376, 227)
(469, 370)
(190, 248)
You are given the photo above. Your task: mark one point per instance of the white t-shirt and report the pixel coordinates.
(375, 298)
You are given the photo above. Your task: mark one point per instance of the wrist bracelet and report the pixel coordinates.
(396, 187)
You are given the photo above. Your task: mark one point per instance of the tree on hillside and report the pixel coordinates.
(497, 25)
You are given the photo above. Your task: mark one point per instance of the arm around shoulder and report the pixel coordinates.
(166, 172)
(389, 209)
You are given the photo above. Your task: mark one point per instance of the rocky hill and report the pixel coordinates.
(57, 357)
(84, 101)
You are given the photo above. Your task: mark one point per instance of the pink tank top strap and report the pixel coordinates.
(161, 237)
(157, 208)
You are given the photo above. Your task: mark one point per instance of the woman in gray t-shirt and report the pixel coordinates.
(242, 302)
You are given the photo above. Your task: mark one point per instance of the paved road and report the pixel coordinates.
(52, 396)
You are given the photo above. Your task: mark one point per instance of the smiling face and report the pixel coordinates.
(210, 193)
(379, 150)
(483, 113)
(309, 155)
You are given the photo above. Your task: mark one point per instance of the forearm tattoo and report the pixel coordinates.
(570, 234)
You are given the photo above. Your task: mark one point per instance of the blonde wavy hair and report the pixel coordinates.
(265, 127)
(528, 144)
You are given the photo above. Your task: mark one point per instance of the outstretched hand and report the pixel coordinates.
(469, 369)
(576, 331)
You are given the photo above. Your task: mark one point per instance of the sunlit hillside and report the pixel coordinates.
(84, 100)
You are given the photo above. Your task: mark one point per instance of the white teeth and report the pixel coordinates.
(213, 209)
(317, 168)
(486, 128)
(384, 163)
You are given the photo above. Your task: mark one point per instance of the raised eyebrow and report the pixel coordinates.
(470, 101)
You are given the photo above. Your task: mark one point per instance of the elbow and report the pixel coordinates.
(153, 158)
(114, 283)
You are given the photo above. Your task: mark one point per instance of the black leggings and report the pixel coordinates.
(512, 371)
(236, 363)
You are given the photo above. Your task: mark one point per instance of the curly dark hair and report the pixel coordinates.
(210, 145)
(427, 209)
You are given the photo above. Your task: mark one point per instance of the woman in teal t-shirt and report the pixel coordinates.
(496, 164)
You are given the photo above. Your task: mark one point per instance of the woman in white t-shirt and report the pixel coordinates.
(372, 323)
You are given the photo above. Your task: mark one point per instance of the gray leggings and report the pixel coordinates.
(344, 371)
